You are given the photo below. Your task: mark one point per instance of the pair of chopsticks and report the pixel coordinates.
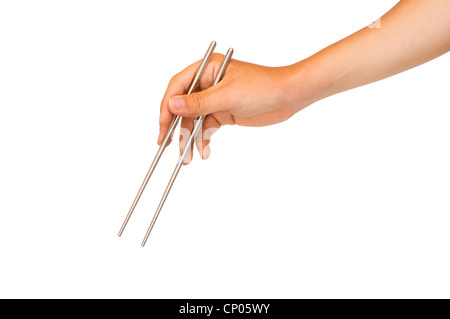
(168, 136)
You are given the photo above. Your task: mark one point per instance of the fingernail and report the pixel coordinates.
(177, 103)
(206, 152)
(188, 159)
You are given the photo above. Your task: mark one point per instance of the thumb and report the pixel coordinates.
(198, 103)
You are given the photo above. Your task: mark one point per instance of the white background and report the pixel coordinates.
(349, 198)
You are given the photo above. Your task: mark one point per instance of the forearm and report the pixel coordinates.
(412, 33)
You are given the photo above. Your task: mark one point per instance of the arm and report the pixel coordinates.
(410, 34)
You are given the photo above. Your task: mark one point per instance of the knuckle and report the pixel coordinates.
(196, 102)
(217, 56)
(174, 79)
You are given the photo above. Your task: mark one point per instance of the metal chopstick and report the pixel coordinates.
(186, 150)
(169, 133)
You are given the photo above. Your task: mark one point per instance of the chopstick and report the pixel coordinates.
(168, 136)
(187, 148)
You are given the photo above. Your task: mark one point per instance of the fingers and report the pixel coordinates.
(209, 126)
(177, 85)
(203, 101)
(186, 126)
(212, 100)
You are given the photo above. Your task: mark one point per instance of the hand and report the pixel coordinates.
(248, 95)
(254, 95)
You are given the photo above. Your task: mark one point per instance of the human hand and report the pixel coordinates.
(254, 95)
(248, 95)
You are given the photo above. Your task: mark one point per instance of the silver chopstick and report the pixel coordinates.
(168, 136)
(187, 148)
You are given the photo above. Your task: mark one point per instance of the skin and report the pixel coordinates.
(410, 34)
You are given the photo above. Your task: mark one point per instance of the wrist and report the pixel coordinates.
(306, 84)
